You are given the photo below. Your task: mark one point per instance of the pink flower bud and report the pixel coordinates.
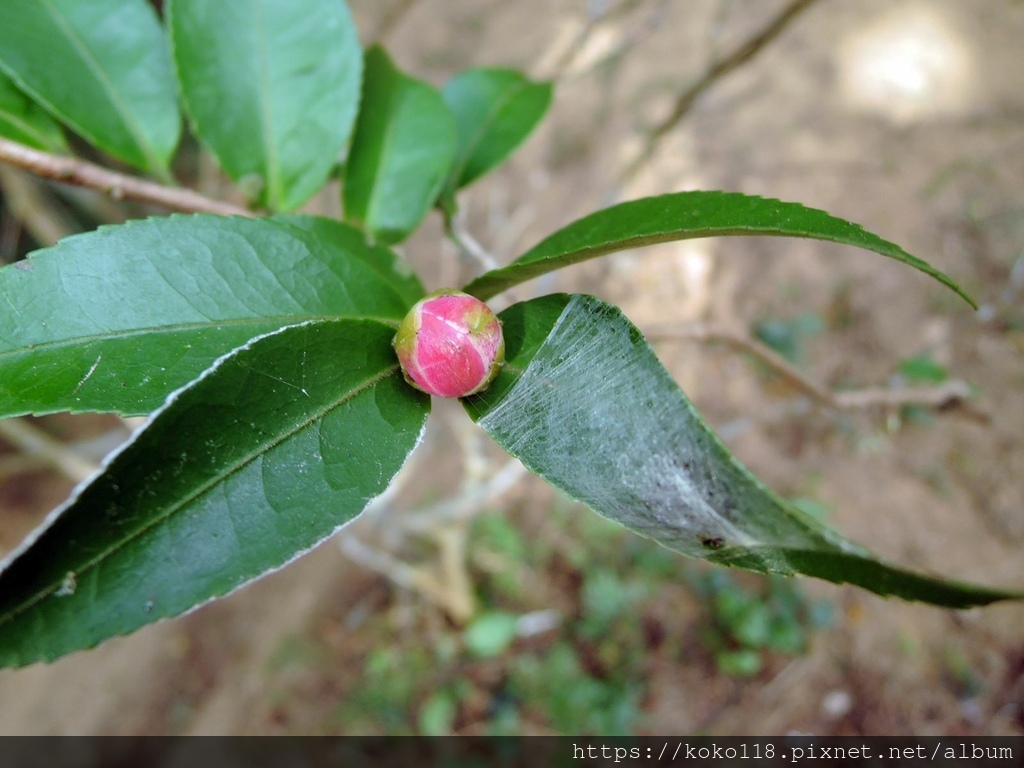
(450, 344)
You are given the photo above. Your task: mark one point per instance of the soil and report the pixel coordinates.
(907, 118)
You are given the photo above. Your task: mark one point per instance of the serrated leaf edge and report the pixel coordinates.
(77, 491)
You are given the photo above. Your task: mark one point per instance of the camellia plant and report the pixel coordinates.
(284, 360)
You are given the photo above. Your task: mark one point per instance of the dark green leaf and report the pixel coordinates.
(24, 121)
(495, 110)
(272, 88)
(116, 319)
(269, 452)
(102, 67)
(584, 403)
(402, 149)
(684, 216)
(350, 240)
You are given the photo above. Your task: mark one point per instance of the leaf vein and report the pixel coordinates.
(214, 483)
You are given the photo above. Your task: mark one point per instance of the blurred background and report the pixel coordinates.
(476, 600)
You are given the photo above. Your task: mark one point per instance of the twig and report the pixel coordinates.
(943, 395)
(654, 22)
(706, 332)
(474, 497)
(557, 62)
(71, 170)
(719, 68)
(450, 589)
(34, 442)
(398, 571)
(392, 18)
(444, 580)
(27, 204)
(468, 246)
(17, 464)
(453, 542)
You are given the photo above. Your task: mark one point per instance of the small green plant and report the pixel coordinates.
(590, 668)
(258, 341)
(920, 369)
(571, 700)
(744, 623)
(787, 336)
(395, 682)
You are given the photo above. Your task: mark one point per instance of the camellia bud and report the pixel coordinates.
(450, 344)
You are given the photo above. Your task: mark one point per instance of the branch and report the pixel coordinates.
(719, 68)
(32, 441)
(468, 246)
(556, 63)
(71, 170)
(446, 585)
(473, 499)
(655, 20)
(392, 19)
(944, 395)
(28, 204)
(705, 332)
(445, 579)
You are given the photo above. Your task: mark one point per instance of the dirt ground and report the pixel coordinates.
(907, 118)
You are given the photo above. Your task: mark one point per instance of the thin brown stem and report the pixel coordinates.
(948, 393)
(468, 246)
(28, 203)
(558, 62)
(706, 332)
(71, 170)
(655, 20)
(718, 69)
(32, 441)
(391, 19)
(444, 583)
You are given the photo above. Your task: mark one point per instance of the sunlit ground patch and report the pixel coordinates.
(910, 64)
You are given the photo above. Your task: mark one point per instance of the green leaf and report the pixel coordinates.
(495, 110)
(101, 67)
(271, 87)
(116, 319)
(348, 239)
(273, 449)
(684, 216)
(745, 662)
(923, 369)
(403, 146)
(787, 336)
(491, 634)
(24, 121)
(584, 403)
(438, 713)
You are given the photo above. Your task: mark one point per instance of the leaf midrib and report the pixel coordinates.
(398, 83)
(266, 123)
(523, 268)
(161, 329)
(203, 489)
(489, 120)
(500, 279)
(141, 143)
(27, 128)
